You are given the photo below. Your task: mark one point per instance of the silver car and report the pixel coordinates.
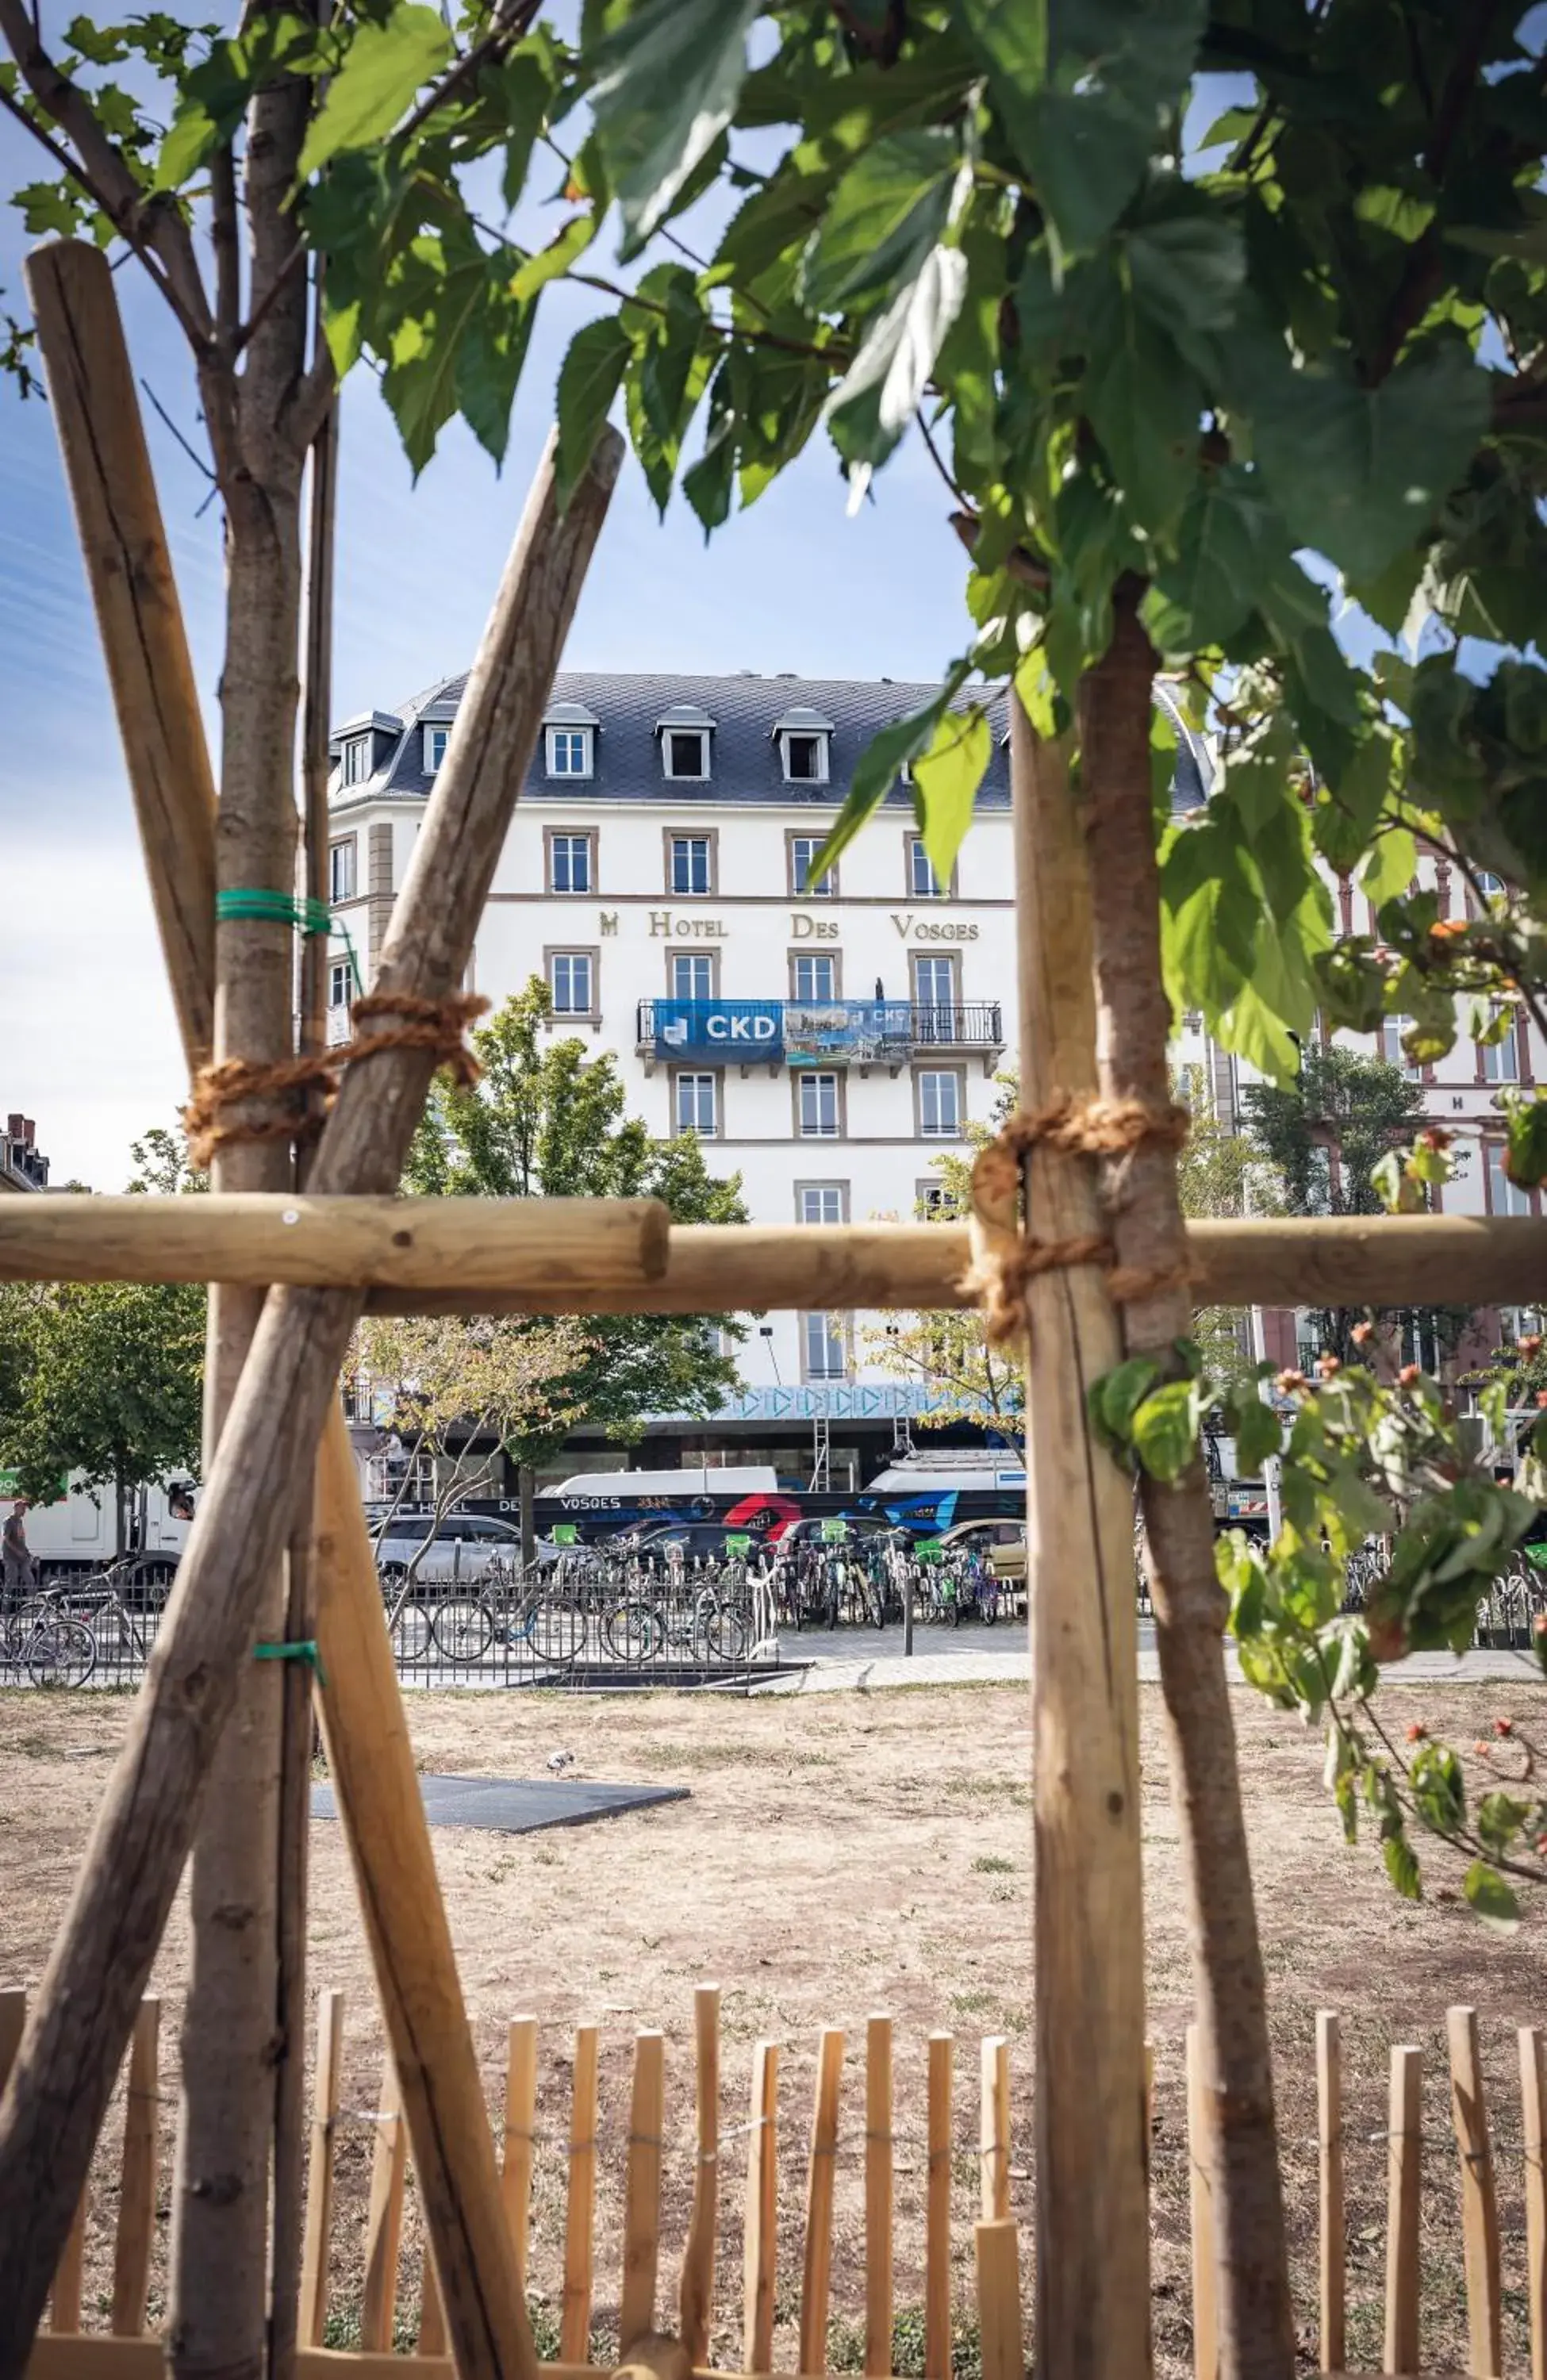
(464, 1546)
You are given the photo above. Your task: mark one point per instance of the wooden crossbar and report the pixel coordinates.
(618, 1257)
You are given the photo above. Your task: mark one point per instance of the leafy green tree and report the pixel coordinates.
(1325, 1135)
(103, 1381)
(548, 1121)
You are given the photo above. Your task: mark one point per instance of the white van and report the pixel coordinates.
(78, 1533)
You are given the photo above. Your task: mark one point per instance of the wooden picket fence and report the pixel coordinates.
(126, 2351)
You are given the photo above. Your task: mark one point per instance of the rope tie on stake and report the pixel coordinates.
(237, 1083)
(1004, 1257)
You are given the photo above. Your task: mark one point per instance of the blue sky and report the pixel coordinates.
(87, 1043)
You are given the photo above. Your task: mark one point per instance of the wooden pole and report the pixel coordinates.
(937, 2214)
(590, 1245)
(1092, 2218)
(96, 412)
(642, 2207)
(993, 2130)
(318, 2238)
(84, 2006)
(483, 1256)
(998, 2255)
(878, 2195)
(520, 2137)
(696, 2303)
(580, 2211)
(1328, 2134)
(816, 2280)
(761, 2236)
(1533, 2107)
(1480, 2211)
(1403, 2206)
(137, 2196)
(384, 2214)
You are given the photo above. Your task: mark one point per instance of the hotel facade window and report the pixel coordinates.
(1500, 1059)
(435, 742)
(824, 1352)
(571, 867)
(572, 982)
(696, 1104)
(934, 999)
(1505, 1197)
(924, 884)
(342, 864)
(1389, 1042)
(813, 976)
(689, 864)
(940, 1102)
(354, 761)
(802, 850)
(691, 975)
(817, 1107)
(820, 1202)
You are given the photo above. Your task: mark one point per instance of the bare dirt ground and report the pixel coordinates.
(840, 1855)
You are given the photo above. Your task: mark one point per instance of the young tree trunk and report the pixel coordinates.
(220, 2244)
(1133, 1030)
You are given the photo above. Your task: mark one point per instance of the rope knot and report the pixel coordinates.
(1004, 1257)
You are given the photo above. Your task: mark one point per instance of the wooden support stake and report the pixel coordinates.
(994, 2140)
(579, 2247)
(1404, 2203)
(1480, 2213)
(937, 2214)
(1092, 2266)
(137, 2196)
(318, 2238)
(1200, 2203)
(878, 2195)
(84, 2009)
(642, 2215)
(819, 2179)
(13, 2017)
(1533, 2108)
(1329, 2136)
(63, 2305)
(520, 2136)
(432, 2312)
(384, 2217)
(696, 2297)
(96, 413)
(998, 2255)
(762, 2227)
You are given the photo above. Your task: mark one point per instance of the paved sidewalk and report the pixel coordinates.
(868, 1660)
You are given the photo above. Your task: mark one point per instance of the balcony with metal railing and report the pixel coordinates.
(861, 1033)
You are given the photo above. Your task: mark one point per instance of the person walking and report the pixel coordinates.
(20, 1570)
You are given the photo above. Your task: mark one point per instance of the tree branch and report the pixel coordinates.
(154, 225)
(228, 255)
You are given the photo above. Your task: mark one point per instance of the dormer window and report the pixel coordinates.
(435, 742)
(570, 730)
(685, 732)
(805, 739)
(354, 761)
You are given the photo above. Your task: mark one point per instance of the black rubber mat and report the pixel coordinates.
(519, 1805)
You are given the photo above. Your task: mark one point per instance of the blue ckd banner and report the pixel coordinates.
(719, 1028)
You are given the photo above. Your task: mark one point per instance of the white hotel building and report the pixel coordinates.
(830, 1042)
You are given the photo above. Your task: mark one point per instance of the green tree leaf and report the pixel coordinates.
(1490, 1897)
(588, 380)
(666, 86)
(882, 220)
(557, 257)
(946, 777)
(1165, 1429)
(892, 749)
(1402, 1867)
(883, 388)
(385, 68)
(1359, 473)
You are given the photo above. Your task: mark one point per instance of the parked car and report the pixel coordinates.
(1002, 1543)
(464, 1545)
(813, 1531)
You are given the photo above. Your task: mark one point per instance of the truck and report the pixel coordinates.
(77, 1534)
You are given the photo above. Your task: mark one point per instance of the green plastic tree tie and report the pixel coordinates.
(260, 901)
(304, 1648)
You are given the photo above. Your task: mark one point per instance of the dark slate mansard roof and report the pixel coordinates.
(745, 761)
